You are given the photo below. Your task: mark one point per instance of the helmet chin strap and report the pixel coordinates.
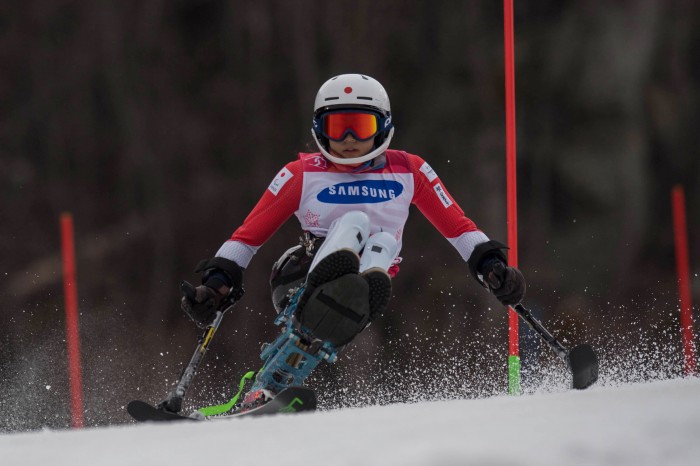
(355, 160)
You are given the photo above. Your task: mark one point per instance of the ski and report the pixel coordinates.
(144, 412)
(289, 401)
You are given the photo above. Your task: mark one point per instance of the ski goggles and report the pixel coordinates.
(337, 125)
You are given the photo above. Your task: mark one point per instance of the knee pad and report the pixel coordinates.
(347, 232)
(338, 310)
(380, 251)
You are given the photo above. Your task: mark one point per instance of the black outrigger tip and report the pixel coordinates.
(583, 362)
(142, 411)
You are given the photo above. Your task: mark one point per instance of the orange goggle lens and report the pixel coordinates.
(362, 126)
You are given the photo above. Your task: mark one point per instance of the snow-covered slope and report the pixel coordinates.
(655, 423)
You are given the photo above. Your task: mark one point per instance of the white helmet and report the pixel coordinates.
(353, 91)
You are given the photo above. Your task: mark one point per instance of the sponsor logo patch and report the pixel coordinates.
(428, 172)
(319, 161)
(280, 180)
(442, 195)
(361, 192)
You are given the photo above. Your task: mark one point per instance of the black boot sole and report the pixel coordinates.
(379, 291)
(331, 267)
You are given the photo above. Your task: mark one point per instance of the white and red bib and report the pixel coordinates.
(318, 192)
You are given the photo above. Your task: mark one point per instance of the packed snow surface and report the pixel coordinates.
(655, 423)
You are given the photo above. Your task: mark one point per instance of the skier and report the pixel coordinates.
(352, 199)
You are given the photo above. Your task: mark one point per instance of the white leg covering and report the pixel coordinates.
(347, 232)
(380, 251)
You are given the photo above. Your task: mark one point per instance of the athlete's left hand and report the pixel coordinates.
(506, 283)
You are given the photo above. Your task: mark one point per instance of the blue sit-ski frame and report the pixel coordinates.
(277, 374)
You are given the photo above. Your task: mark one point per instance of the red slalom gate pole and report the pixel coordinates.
(511, 191)
(683, 271)
(70, 289)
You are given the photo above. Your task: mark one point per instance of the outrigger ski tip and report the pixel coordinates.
(583, 362)
(145, 412)
(581, 359)
(289, 401)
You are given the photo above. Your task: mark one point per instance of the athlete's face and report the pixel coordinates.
(350, 148)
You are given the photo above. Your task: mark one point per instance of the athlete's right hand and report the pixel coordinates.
(200, 303)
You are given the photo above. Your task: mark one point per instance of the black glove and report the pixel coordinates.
(506, 283)
(489, 265)
(218, 274)
(200, 303)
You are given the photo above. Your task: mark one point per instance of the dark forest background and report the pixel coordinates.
(158, 124)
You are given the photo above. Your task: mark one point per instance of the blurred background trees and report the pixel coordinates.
(158, 124)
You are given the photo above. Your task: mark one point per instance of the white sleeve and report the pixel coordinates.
(238, 252)
(466, 242)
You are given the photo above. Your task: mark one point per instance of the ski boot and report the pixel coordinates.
(379, 283)
(332, 267)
